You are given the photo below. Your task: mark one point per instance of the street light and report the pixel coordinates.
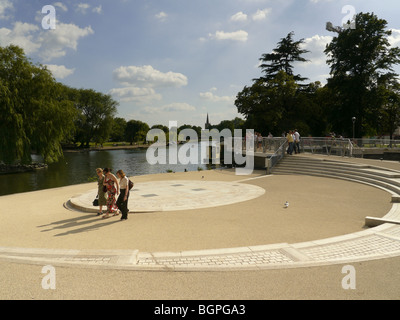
(354, 122)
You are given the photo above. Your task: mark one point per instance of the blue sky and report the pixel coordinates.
(175, 60)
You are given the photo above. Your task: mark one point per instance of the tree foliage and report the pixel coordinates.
(360, 60)
(362, 84)
(136, 131)
(34, 112)
(278, 101)
(282, 58)
(95, 119)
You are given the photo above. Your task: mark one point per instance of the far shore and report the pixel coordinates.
(108, 147)
(117, 146)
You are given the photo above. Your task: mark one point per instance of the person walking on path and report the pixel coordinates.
(122, 202)
(296, 135)
(100, 193)
(290, 141)
(112, 186)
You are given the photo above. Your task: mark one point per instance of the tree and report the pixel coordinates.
(96, 111)
(35, 114)
(118, 128)
(282, 58)
(359, 58)
(161, 127)
(274, 103)
(389, 116)
(136, 131)
(268, 105)
(197, 129)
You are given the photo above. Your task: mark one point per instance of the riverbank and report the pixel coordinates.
(19, 168)
(117, 146)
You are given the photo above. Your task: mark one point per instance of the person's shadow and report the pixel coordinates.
(87, 223)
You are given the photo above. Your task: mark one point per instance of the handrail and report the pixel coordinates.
(277, 156)
(329, 146)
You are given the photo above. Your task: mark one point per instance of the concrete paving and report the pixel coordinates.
(249, 231)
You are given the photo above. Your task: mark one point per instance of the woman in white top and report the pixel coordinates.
(122, 202)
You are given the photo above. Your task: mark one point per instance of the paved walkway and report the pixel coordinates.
(166, 194)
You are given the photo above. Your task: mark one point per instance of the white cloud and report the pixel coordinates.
(23, 35)
(319, 1)
(60, 5)
(54, 43)
(394, 39)
(60, 72)
(261, 14)
(240, 16)
(98, 10)
(172, 107)
(82, 7)
(316, 45)
(177, 107)
(214, 98)
(5, 5)
(147, 76)
(142, 95)
(49, 44)
(162, 16)
(235, 36)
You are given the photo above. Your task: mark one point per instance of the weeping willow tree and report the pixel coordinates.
(35, 113)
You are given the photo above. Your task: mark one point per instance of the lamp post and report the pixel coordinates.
(354, 122)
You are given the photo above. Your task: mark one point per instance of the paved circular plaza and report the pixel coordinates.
(173, 195)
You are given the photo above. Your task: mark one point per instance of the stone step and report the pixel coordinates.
(388, 177)
(395, 190)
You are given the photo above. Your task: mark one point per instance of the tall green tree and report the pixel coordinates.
(118, 129)
(275, 102)
(95, 116)
(282, 58)
(35, 114)
(389, 115)
(358, 59)
(268, 105)
(136, 131)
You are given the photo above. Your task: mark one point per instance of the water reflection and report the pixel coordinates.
(79, 167)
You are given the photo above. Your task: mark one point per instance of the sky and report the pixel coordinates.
(176, 60)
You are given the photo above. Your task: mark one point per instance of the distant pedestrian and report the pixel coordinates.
(259, 140)
(296, 135)
(112, 187)
(100, 193)
(122, 202)
(290, 140)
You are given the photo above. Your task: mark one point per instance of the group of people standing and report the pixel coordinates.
(108, 188)
(293, 139)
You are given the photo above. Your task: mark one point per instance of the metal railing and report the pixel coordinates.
(277, 155)
(380, 143)
(328, 146)
(319, 145)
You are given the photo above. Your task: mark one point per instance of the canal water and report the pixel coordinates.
(80, 167)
